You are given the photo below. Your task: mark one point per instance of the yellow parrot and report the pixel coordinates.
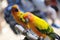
(36, 24)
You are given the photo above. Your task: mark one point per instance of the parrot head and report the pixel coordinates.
(16, 11)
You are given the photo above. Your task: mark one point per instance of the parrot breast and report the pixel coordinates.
(38, 22)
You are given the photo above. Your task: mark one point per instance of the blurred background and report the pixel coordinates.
(47, 10)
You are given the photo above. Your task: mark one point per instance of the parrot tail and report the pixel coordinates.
(54, 36)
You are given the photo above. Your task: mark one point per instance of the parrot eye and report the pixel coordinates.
(16, 10)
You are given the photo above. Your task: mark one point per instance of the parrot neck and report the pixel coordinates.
(20, 14)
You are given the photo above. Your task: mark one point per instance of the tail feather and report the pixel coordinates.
(54, 36)
(57, 36)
